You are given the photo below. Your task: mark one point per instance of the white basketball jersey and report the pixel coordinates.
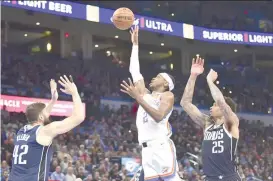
(148, 128)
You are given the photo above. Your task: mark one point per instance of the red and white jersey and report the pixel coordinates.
(148, 128)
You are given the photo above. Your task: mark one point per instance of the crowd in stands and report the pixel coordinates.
(242, 83)
(86, 151)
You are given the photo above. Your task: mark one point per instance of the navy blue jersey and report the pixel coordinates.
(219, 152)
(31, 160)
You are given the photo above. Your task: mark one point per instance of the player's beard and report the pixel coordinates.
(47, 121)
(152, 87)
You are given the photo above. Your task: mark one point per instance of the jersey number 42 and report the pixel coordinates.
(18, 153)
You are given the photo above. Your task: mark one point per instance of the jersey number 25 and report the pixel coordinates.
(18, 154)
(218, 147)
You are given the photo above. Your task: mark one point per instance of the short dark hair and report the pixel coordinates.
(33, 111)
(231, 104)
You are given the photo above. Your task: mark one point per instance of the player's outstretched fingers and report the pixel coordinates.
(137, 28)
(203, 61)
(125, 87)
(193, 61)
(63, 80)
(66, 79)
(71, 79)
(125, 83)
(124, 91)
(62, 83)
(199, 60)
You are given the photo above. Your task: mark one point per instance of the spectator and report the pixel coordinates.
(4, 167)
(81, 172)
(64, 164)
(70, 175)
(5, 176)
(4, 113)
(97, 176)
(58, 175)
(88, 178)
(188, 168)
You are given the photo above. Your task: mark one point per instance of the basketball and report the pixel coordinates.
(123, 18)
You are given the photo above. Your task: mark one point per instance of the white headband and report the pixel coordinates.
(168, 79)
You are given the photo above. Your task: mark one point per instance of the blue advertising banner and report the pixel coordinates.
(237, 37)
(131, 165)
(146, 23)
(60, 8)
(102, 15)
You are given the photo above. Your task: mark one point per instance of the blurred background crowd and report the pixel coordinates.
(94, 150)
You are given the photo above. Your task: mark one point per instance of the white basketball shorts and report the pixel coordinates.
(159, 161)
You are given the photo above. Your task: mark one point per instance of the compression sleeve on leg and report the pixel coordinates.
(134, 64)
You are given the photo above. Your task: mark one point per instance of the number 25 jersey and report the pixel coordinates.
(218, 151)
(31, 161)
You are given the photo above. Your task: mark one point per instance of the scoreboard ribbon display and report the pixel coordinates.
(102, 15)
(236, 37)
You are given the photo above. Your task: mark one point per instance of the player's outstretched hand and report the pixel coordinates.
(68, 85)
(212, 75)
(129, 89)
(197, 66)
(134, 35)
(53, 89)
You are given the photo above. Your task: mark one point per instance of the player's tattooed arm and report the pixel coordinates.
(196, 115)
(186, 102)
(219, 99)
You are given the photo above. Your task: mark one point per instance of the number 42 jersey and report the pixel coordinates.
(31, 160)
(218, 151)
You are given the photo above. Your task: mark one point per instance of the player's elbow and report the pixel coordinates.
(184, 103)
(79, 117)
(159, 118)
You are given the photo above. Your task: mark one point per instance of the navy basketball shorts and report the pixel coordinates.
(233, 177)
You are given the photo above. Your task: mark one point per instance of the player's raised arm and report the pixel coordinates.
(51, 130)
(195, 114)
(54, 98)
(134, 67)
(229, 115)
